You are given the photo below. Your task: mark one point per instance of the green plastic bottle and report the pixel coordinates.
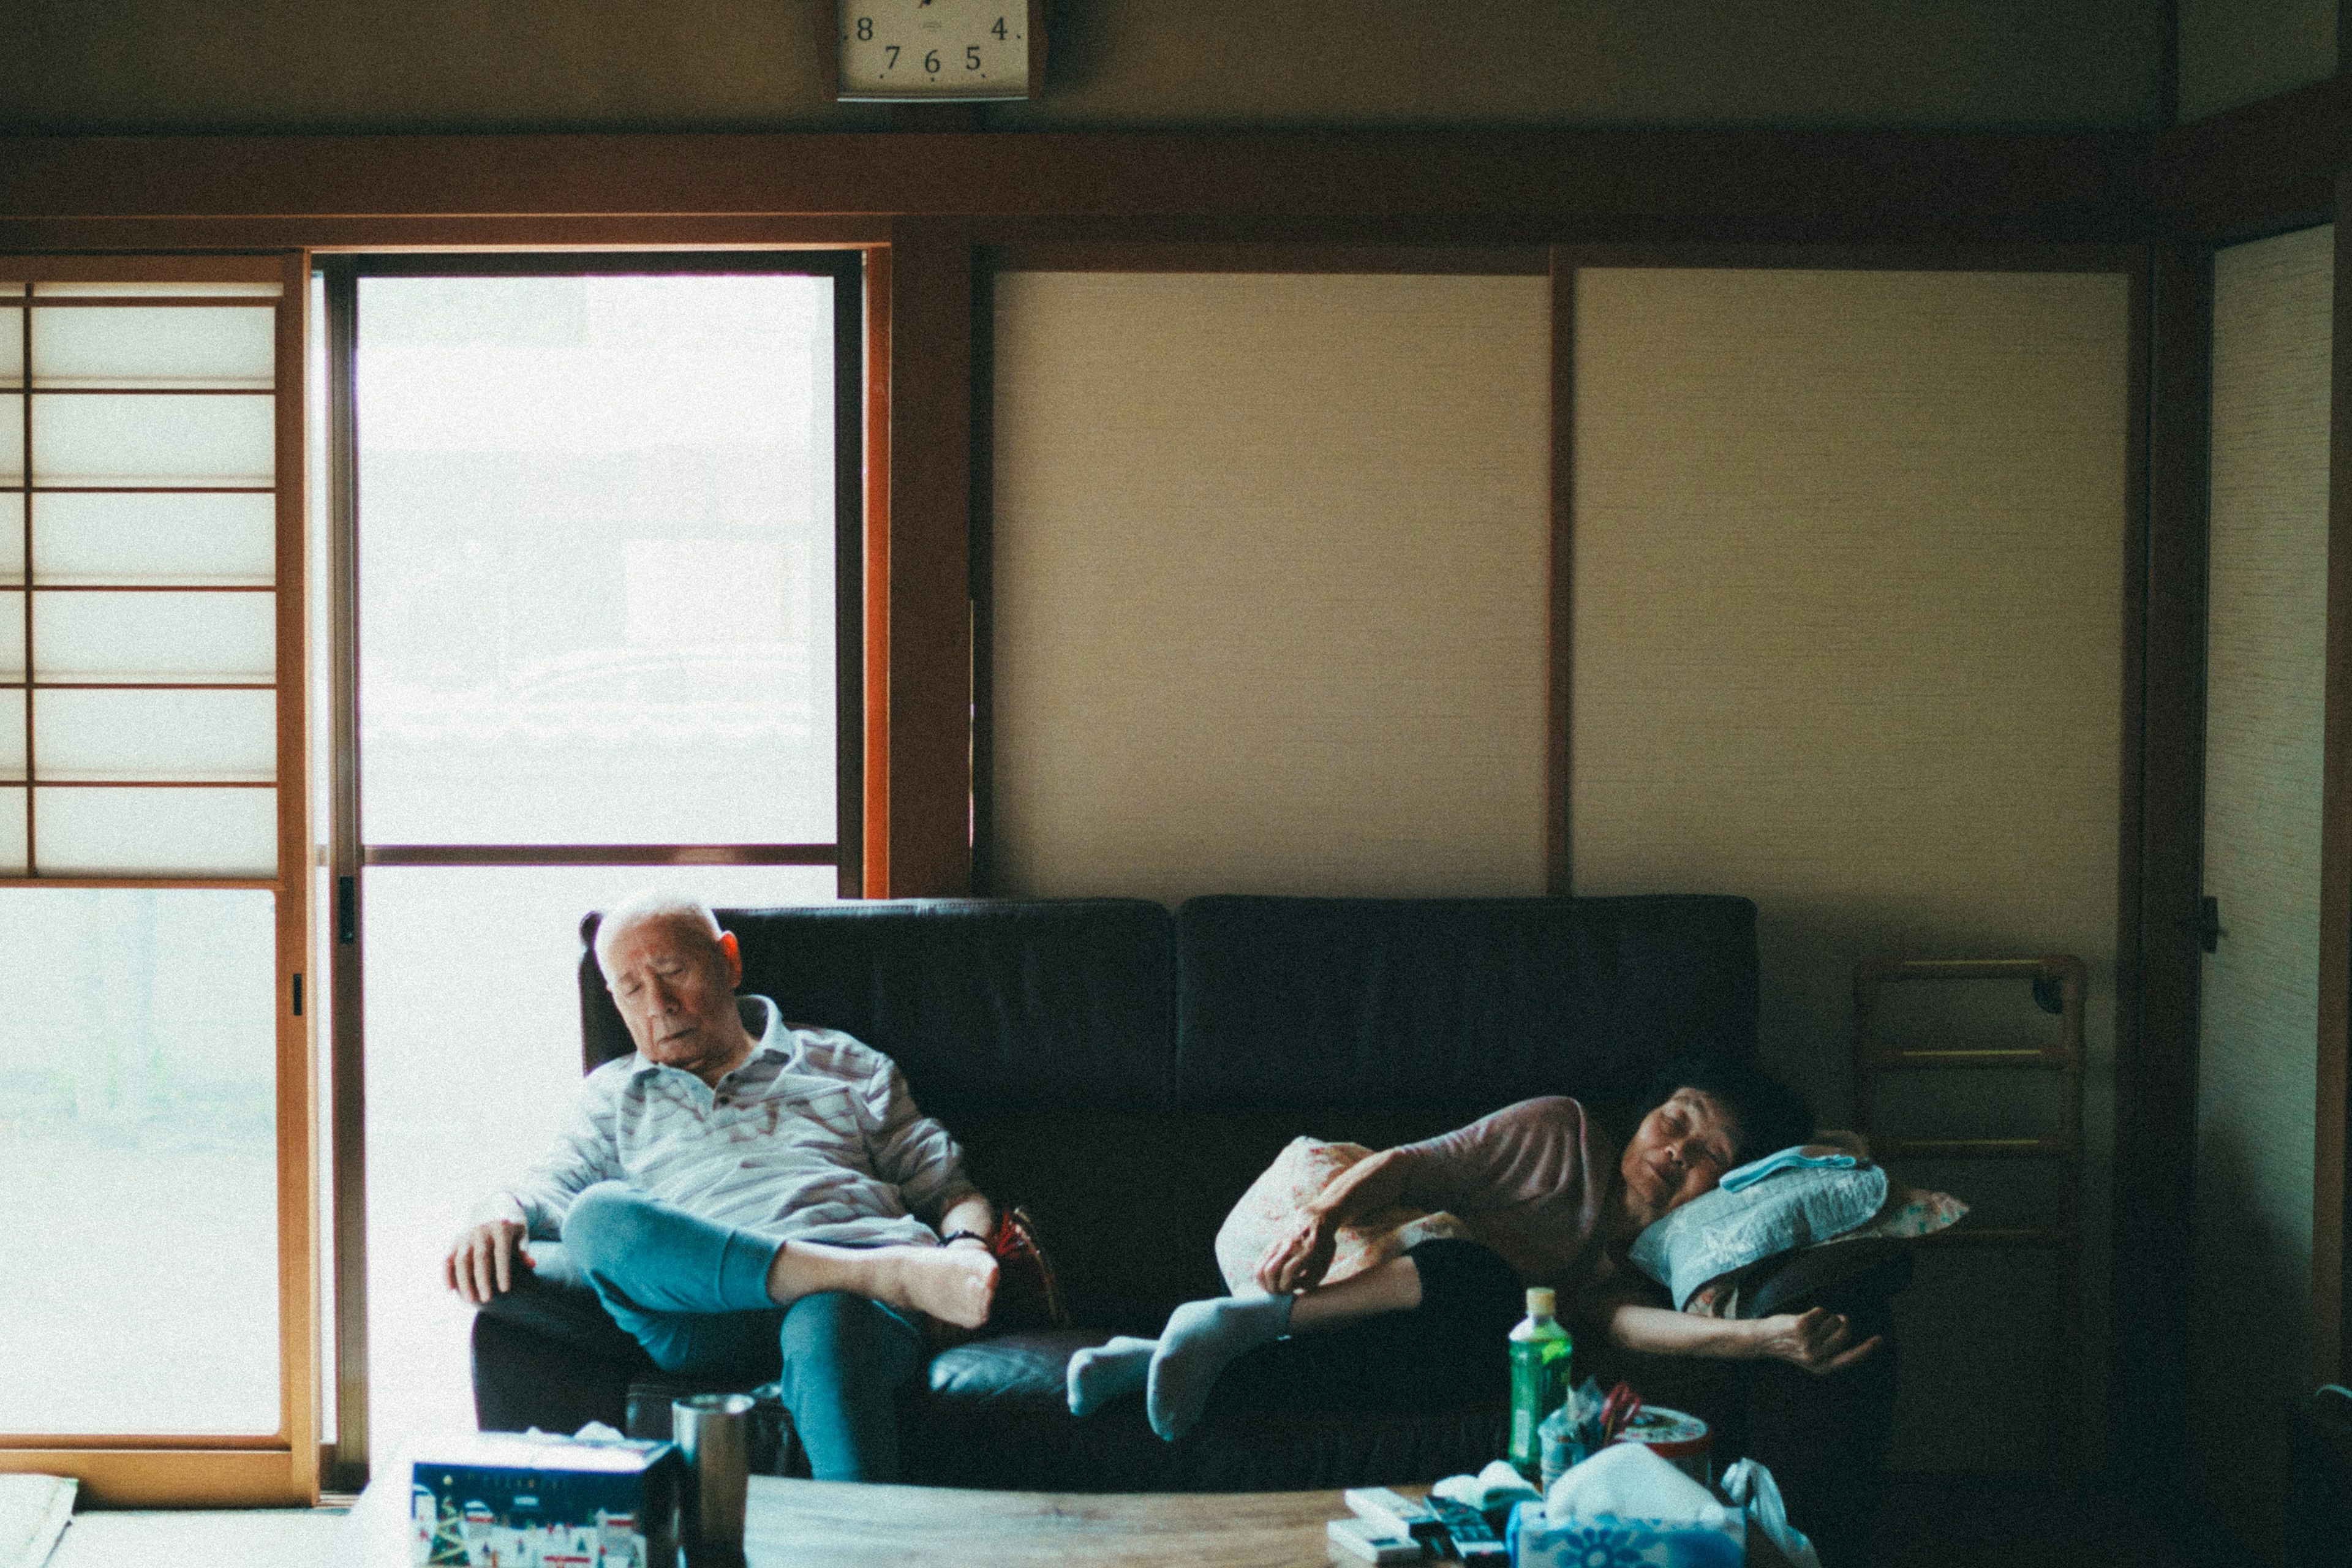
(1540, 1353)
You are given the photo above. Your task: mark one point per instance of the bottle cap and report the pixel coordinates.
(1541, 1302)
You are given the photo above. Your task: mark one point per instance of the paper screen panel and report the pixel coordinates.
(135, 832)
(11, 636)
(1269, 583)
(146, 289)
(213, 736)
(12, 735)
(150, 537)
(12, 537)
(160, 439)
(168, 636)
(12, 438)
(154, 346)
(12, 831)
(12, 344)
(1849, 578)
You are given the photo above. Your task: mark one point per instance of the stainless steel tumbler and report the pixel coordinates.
(713, 1432)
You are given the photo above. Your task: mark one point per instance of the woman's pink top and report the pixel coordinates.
(1529, 1181)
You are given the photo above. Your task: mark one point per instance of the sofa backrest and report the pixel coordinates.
(1063, 1004)
(1351, 1004)
(1126, 1074)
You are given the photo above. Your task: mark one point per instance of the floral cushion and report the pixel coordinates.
(1908, 1212)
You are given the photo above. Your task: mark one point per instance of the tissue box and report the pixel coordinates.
(1535, 1542)
(509, 1500)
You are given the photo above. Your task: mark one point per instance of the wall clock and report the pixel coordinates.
(931, 50)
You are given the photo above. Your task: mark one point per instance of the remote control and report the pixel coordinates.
(1362, 1538)
(1393, 1510)
(1475, 1540)
(1393, 1513)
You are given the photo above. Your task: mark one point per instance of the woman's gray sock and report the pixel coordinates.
(1101, 1374)
(1202, 1339)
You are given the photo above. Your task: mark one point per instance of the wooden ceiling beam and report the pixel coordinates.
(1535, 185)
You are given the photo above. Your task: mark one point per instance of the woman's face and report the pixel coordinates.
(1681, 1150)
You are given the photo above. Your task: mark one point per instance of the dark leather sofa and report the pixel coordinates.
(1125, 1073)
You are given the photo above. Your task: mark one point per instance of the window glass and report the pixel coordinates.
(596, 565)
(137, 1151)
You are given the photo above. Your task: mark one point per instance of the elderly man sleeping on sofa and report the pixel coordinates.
(739, 1187)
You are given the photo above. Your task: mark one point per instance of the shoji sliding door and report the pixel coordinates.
(155, 1256)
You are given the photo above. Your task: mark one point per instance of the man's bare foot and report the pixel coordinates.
(954, 1284)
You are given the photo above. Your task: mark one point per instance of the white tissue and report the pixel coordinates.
(1627, 1480)
(1490, 1488)
(597, 1432)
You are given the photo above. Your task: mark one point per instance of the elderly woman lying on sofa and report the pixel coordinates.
(1535, 1193)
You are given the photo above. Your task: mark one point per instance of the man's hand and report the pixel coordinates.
(1815, 1339)
(1296, 1259)
(482, 1262)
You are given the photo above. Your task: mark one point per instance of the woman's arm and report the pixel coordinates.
(1295, 1260)
(1814, 1340)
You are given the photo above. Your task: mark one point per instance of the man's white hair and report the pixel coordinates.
(652, 904)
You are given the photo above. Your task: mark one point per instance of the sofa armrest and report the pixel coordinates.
(1857, 1277)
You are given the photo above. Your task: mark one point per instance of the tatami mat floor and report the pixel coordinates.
(272, 1538)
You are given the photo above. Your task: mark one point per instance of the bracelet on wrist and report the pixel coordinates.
(952, 1237)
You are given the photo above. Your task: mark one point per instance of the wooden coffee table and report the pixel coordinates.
(835, 1524)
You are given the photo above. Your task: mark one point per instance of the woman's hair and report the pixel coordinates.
(1771, 1112)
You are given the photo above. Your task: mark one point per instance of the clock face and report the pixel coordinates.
(934, 49)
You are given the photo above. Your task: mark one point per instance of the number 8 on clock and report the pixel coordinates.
(931, 50)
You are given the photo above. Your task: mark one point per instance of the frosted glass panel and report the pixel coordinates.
(216, 736)
(12, 346)
(156, 537)
(596, 568)
(12, 438)
(156, 832)
(96, 440)
(12, 833)
(448, 1119)
(12, 735)
(142, 1089)
(155, 637)
(92, 346)
(141, 291)
(12, 536)
(11, 636)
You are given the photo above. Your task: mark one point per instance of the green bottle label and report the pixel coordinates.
(1539, 1385)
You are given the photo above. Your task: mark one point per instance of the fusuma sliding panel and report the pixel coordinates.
(1269, 574)
(2258, 1000)
(148, 652)
(1848, 601)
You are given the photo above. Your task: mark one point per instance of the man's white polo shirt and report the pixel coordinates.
(814, 1138)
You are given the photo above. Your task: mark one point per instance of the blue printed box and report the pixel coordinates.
(511, 1499)
(1610, 1542)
